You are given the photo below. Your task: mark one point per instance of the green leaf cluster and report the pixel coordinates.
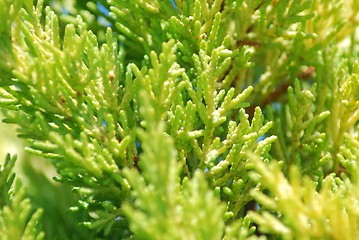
(184, 119)
(18, 218)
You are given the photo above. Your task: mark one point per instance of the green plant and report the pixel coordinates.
(194, 119)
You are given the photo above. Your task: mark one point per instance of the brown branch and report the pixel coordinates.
(307, 73)
(249, 43)
(278, 92)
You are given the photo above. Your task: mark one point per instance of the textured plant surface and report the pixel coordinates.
(184, 119)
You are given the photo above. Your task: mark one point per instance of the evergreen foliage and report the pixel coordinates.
(183, 119)
(18, 220)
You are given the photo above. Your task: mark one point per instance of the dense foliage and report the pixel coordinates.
(184, 119)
